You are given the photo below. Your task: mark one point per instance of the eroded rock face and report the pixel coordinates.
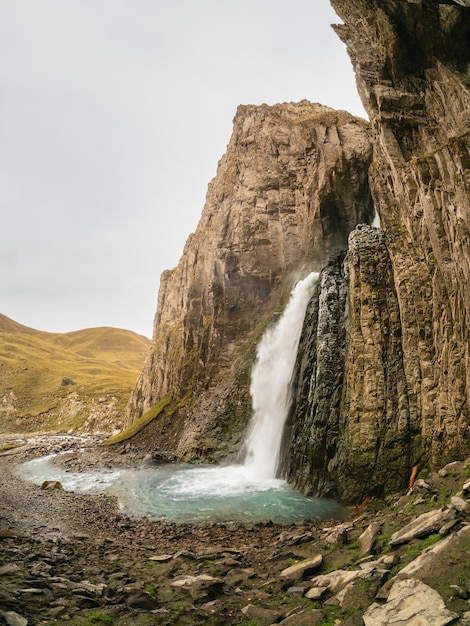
(411, 61)
(402, 398)
(290, 188)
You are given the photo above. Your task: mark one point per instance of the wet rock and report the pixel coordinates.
(424, 525)
(410, 601)
(298, 570)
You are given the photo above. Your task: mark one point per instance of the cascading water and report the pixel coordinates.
(194, 493)
(271, 383)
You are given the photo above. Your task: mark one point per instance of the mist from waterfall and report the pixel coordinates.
(271, 383)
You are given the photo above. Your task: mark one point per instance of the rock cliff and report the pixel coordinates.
(405, 380)
(291, 186)
(382, 384)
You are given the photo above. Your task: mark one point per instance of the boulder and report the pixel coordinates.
(410, 602)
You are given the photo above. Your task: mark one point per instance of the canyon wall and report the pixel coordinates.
(405, 380)
(382, 382)
(290, 188)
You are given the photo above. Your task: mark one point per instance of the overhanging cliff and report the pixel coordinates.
(405, 380)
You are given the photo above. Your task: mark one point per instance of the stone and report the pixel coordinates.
(368, 539)
(51, 484)
(425, 524)
(336, 580)
(141, 600)
(260, 615)
(9, 568)
(410, 602)
(161, 558)
(308, 618)
(200, 587)
(338, 535)
(316, 593)
(14, 619)
(299, 570)
(458, 503)
(295, 591)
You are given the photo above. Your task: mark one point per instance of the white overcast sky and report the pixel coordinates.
(113, 116)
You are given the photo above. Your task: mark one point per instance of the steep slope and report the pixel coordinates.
(290, 188)
(404, 384)
(79, 380)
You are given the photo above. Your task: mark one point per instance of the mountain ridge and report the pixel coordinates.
(72, 381)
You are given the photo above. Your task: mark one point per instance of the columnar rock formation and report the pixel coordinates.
(290, 188)
(405, 385)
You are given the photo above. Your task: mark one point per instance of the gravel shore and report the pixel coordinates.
(87, 561)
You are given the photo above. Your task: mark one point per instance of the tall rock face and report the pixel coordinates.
(405, 379)
(289, 190)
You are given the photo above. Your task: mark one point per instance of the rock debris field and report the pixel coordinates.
(70, 558)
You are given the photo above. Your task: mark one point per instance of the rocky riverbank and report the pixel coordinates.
(69, 558)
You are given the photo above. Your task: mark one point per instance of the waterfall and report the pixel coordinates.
(271, 383)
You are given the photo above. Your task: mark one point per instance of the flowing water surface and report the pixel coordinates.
(189, 493)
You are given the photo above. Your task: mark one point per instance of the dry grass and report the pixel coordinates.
(102, 362)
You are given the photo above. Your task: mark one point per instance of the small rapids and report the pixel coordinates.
(189, 493)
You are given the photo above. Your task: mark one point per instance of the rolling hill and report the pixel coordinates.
(78, 381)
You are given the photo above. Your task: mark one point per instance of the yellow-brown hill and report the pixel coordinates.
(78, 381)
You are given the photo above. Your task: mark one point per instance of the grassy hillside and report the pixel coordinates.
(76, 381)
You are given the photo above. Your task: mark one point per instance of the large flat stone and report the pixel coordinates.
(424, 525)
(303, 567)
(410, 602)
